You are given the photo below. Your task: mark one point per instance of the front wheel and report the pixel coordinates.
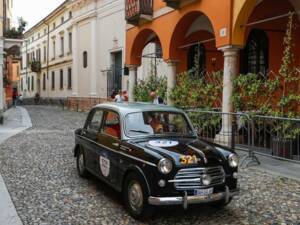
(135, 195)
(80, 162)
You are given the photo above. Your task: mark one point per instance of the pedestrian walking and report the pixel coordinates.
(14, 97)
(125, 96)
(113, 94)
(37, 98)
(156, 99)
(119, 97)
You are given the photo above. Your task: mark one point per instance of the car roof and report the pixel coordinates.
(130, 107)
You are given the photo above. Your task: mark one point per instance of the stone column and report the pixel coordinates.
(171, 78)
(132, 82)
(230, 72)
(75, 67)
(93, 87)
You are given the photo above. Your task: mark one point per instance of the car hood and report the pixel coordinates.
(207, 154)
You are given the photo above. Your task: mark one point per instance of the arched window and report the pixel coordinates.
(196, 60)
(256, 53)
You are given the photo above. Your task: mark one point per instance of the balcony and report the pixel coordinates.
(176, 4)
(35, 66)
(138, 11)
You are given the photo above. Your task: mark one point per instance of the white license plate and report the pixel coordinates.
(203, 192)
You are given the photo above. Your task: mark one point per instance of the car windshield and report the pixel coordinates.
(157, 123)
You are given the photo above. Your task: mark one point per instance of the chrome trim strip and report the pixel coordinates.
(190, 178)
(185, 180)
(121, 153)
(199, 168)
(186, 200)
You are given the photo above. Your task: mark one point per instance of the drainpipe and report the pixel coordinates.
(27, 64)
(48, 51)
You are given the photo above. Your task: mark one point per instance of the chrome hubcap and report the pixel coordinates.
(135, 196)
(81, 162)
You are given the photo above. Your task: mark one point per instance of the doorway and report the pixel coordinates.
(114, 80)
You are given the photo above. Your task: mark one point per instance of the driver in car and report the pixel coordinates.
(155, 123)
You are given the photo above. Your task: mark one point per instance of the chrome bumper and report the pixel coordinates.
(187, 200)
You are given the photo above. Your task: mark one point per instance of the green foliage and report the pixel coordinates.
(35, 66)
(6, 81)
(276, 96)
(251, 93)
(22, 25)
(195, 92)
(153, 83)
(290, 78)
(17, 33)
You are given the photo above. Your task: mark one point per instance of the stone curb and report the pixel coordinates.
(8, 213)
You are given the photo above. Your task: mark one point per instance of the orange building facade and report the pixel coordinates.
(233, 36)
(12, 73)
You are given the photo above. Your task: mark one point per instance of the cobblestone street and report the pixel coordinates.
(39, 170)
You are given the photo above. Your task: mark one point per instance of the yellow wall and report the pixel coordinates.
(242, 10)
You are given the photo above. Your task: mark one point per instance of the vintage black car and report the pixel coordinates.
(152, 154)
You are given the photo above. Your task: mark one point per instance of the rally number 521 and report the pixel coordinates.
(188, 159)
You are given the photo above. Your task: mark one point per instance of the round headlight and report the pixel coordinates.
(233, 160)
(165, 166)
(206, 180)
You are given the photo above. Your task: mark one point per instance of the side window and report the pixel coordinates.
(95, 122)
(111, 125)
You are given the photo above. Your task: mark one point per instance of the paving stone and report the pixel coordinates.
(40, 173)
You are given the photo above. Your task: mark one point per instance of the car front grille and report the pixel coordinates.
(191, 178)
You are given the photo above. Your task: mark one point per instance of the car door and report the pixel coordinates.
(91, 132)
(109, 139)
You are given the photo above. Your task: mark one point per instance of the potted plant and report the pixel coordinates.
(276, 97)
(286, 131)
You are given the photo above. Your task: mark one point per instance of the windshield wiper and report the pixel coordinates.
(140, 131)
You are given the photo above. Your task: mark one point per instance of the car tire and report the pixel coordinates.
(135, 196)
(80, 164)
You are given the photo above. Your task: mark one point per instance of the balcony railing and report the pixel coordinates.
(177, 3)
(137, 11)
(35, 66)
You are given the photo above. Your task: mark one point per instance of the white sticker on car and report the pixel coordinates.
(104, 166)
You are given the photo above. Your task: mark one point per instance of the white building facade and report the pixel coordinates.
(46, 66)
(85, 60)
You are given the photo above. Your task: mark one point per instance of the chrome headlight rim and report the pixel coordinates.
(233, 160)
(165, 166)
(206, 179)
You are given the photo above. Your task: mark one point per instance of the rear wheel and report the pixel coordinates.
(135, 195)
(80, 162)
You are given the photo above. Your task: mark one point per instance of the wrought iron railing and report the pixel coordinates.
(274, 136)
(175, 3)
(36, 66)
(135, 9)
